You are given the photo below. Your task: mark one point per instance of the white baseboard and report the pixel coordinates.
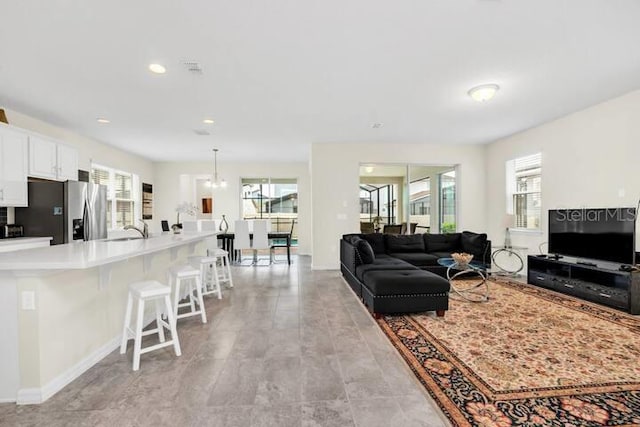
(7, 400)
(29, 396)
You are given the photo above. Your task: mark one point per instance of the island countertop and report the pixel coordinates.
(22, 243)
(94, 253)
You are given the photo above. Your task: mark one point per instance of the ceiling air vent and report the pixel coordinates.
(201, 132)
(193, 67)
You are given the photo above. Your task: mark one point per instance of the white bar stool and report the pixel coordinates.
(208, 274)
(153, 291)
(194, 285)
(225, 265)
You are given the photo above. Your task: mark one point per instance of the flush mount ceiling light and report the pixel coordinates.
(103, 120)
(157, 68)
(483, 93)
(216, 183)
(208, 122)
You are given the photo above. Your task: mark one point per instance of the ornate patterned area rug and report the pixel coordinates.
(527, 357)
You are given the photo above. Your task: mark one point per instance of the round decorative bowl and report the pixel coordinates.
(462, 259)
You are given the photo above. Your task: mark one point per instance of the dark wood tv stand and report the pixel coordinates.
(607, 286)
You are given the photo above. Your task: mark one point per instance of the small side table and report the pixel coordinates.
(508, 253)
(469, 289)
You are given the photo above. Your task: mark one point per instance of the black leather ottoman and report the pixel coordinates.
(405, 291)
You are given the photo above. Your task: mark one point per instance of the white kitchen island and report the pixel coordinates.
(62, 307)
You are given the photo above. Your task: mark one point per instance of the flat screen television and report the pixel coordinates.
(598, 234)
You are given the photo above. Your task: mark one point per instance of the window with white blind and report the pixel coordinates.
(123, 199)
(524, 186)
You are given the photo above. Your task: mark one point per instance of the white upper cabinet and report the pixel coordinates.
(67, 163)
(13, 168)
(43, 161)
(51, 160)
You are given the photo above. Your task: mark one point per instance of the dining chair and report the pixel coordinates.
(260, 238)
(366, 227)
(241, 239)
(209, 225)
(412, 228)
(190, 226)
(392, 229)
(282, 245)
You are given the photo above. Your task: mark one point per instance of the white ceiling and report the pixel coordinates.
(281, 74)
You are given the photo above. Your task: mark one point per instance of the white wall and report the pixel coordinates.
(174, 184)
(589, 159)
(335, 178)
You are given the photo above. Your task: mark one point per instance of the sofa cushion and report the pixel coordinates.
(474, 243)
(376, 240)
(445, 254)
(405, 282)
(419, 259)
(402, 243)
(442, 242)
(365, 252)
(382, 263)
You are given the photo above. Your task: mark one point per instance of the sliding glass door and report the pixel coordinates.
(448, 202)
(408, 198)
(271, 198)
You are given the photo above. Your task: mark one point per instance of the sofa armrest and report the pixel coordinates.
(486, 256)
(348, 256)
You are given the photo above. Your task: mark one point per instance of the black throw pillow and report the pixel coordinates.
(376, 240)
(367, 256)
(474, 243)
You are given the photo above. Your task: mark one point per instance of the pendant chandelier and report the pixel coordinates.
(217, 183)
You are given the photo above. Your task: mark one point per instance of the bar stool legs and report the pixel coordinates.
(225, 265)
(208, 273)
(158, 293)
(194, 283)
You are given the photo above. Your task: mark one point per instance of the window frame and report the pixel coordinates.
(135, 199)
(513, 174)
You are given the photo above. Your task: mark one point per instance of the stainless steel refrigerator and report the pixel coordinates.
(67, 211)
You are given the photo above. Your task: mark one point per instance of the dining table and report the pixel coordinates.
(227, 242)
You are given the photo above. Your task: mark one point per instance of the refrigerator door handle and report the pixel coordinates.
(85, 222)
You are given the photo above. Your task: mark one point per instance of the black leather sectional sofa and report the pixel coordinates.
(400, 273)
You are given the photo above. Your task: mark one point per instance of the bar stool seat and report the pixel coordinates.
(193, 292)
(150, 290)
(208, 274)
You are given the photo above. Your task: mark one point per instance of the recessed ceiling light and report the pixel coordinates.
(103, 120)
(483, 93)
(208, 122)
(157, 68)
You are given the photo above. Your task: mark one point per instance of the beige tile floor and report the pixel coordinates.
(286, 347)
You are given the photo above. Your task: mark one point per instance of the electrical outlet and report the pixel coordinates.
(28, 300)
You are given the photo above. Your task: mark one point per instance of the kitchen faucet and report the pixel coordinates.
(144, 231)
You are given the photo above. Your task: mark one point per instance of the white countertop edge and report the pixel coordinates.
(15, 241)
(73, 256)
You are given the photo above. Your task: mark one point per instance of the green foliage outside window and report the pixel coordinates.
(448, 227)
